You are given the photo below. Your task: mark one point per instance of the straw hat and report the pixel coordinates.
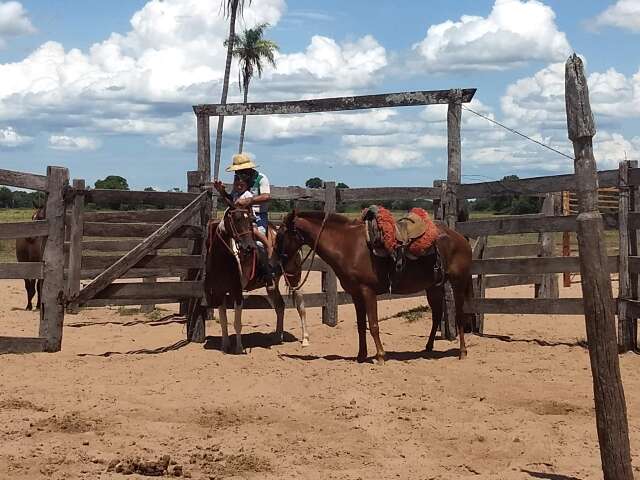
(241, 161)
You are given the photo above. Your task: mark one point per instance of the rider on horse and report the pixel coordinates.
(258, 199)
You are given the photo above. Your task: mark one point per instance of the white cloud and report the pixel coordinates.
(515, 32)
(10, 138)
(385, 157)
(623, 14)
(611, 148)
(14, 21)
(72, 144)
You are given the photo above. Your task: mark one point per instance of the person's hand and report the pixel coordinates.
(218, 185)
(243, 202)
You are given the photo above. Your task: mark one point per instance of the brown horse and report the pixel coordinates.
(342, 244)
(231, 269)
(30, 250)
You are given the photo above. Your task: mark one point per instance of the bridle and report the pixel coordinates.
(235, 234)
(282, 255)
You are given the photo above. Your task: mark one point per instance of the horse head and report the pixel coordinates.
(289, 240)
(238, 224)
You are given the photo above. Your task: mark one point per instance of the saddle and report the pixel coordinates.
(407, 238)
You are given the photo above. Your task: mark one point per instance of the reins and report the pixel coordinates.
(311, 252)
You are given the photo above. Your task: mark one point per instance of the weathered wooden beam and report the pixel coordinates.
(526, 306)
(53, 286)
(402, 99)
(126, 245)
(76, 224)
(30, 181)
(479, 251)
(169, 272)
(95, 229)
(123, 302)
(610, 406)
(522, 224)
(131, 216)
(534, 265)
(501, 281)
(150, 261)
(121, 291)
(21, 270)
(549, 287)
(329, 279)
(626, 330)
(204, 145)
(107, 198)
(378, 194)
(533, 185)
(22, 344)
(134, 256)
(10, 231)
(507, 251)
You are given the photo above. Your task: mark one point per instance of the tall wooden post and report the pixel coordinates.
(477, 253)
(626, 331)
(454, 157)
(566, 239)
(76, 228)
(549, 286)
(611, 410)
(634, 206)
(204, 146)
(52, 307)
(329, 279)
(195, 180)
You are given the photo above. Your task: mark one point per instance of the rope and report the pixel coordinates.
(518, 133)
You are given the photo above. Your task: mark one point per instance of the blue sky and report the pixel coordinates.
(107, 87)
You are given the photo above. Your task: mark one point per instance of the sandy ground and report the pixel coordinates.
(519, 407)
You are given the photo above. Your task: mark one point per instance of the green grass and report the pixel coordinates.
(8, 247)
(412, 315)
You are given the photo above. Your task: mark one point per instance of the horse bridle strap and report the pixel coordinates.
(311, 252)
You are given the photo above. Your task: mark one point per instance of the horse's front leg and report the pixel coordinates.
(361, 319)
(371, 303)
(29, 286)
(39, 289)
(237, 325)
(222, 312)
(298, 301)
(278, 305)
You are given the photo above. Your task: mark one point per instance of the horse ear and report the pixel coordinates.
(290, 219)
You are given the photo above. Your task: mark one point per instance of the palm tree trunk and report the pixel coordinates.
(244, 118)
(225, 87)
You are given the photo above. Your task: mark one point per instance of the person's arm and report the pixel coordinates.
(264, 197)
(219, 186)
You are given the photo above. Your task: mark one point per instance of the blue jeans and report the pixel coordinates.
(262, 221)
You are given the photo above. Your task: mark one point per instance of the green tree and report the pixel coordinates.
(342, 185)
(314, 182)
(113, 182)
(149, 189)
(251, 50)
(230, 8)
(6, 198)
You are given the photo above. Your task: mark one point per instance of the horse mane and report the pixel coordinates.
(335, 218)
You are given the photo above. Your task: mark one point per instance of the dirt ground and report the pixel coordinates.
(519, 407)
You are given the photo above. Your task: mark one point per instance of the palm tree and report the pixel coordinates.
(251, 50)
(230, 8)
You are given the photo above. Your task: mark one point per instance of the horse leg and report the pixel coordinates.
(298, 301)
(435, 298)
(29, 286)
(361, 316)
(237, 325)
(371, 303)
(459, 292)
(278, 305)
(39, 288)
(222, 312)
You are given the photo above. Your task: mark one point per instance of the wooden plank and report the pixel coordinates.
(478, 251)
(13, 230)
(626, 331)
(174, 272)
(501, 281)
(379, 194)
(534, 185)
(131, 216)
(318, 265)
(105, 302)
(329, 279)
(203, 132)
(526, 306)
(22, 344)
(126, 245)
(134, 256)
(533, 265)
(634, 176)
(149, 261)
(548, 288)
(121, 291)
(514, 224)
(402, 99)
(611, 410)
(107, 198)
(53, 286)
(30, 181)
(148, 307)
(76, 224)
(130, 230)
(507, 251)
(632, 307)
(20, 270)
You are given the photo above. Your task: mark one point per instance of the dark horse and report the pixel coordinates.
(30, 250)
(231, 269)
(342, 244)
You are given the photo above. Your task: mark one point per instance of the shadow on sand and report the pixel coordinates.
(249, 340)
(390, 356)
(548, 476)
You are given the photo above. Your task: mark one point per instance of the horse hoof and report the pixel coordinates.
(428, 348)
(380, 360)
(463, 355)
(29, 308)
(305, 343)
(361, 358)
